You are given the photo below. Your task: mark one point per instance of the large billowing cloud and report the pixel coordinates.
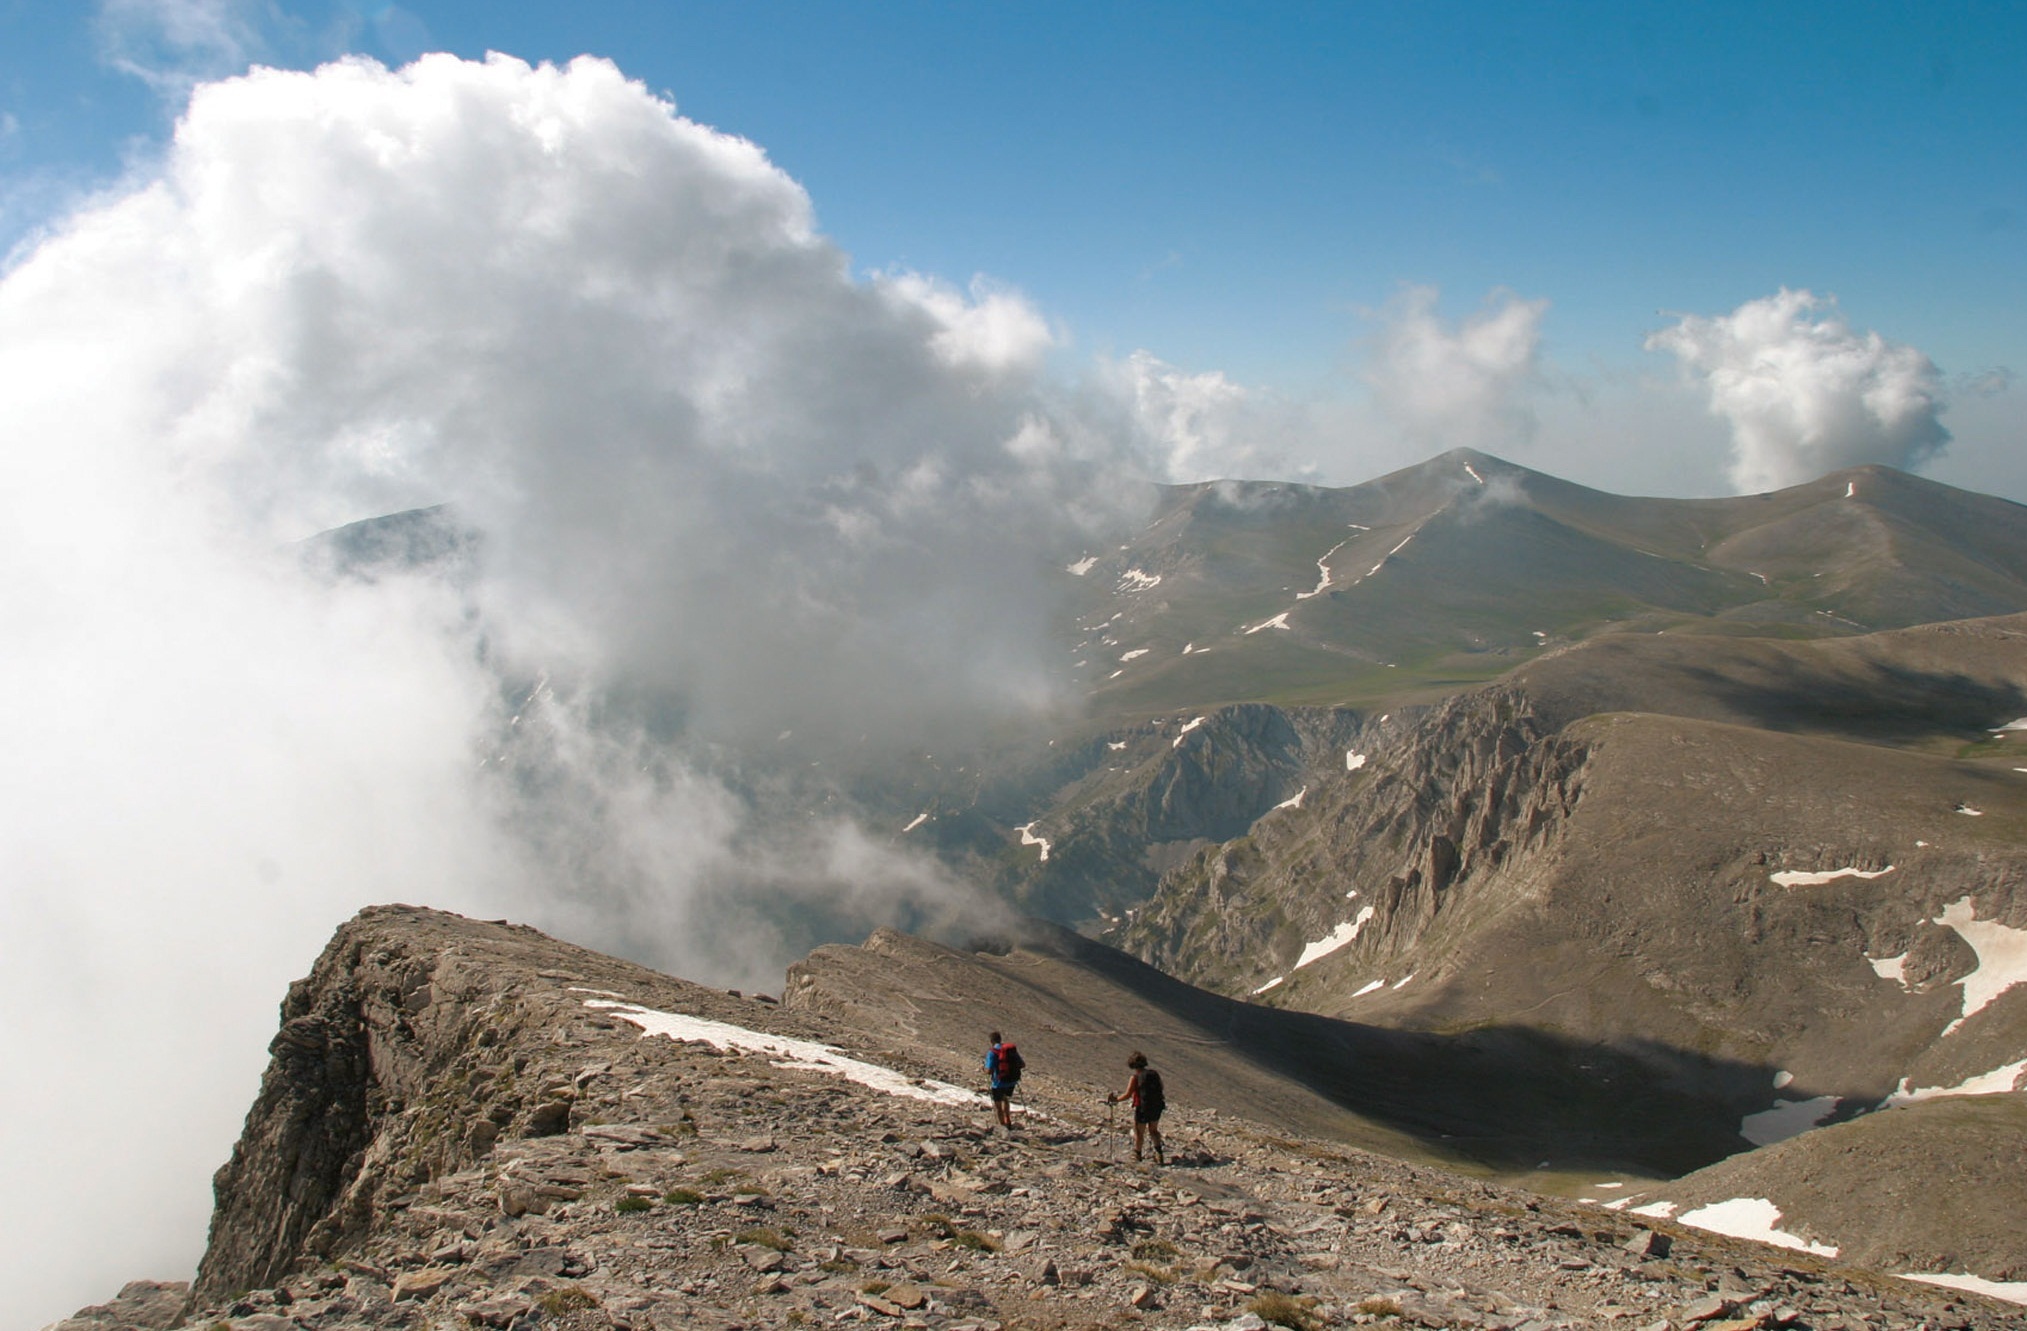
(1462, 384)
(722, 489)
(1803, 393)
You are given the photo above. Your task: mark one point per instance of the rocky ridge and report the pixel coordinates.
(467, 1125)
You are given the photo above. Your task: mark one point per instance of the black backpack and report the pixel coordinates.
(1152, 1099)
(1010, 1064)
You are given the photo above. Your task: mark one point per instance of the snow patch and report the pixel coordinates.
(1783, 1079)
(2002, 957)
(1082, 566)
(1788, 1118)
(1850, 489)
(1474, 474)
(1293, 801)
(1136, 653)
(1323, 568)
(2017, 723)
(1752, 1218)
(1370, 986)
(1891, 968)
(1353, 760)
(1339, 937)
(1402, 983)
(1973, 812)
(920, 819)
(1133, 580)
(1999, 1081)
(1658, 1210)
(1269, 985)
(1797, 878)
(784, 1052)
(1115, 745)
(1028, 838)
(2011, 1291)
(1180, 734)
(1279, 621)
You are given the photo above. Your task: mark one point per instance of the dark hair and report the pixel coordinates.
(1139, 1060)
(993, 1036)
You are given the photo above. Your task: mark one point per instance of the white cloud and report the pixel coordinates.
(724, 490)
(1202, 426)
(1803, 393)
(1459, 384)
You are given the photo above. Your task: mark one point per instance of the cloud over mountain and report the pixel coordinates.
(1462, 384)
(1804, 393)
(722, 488)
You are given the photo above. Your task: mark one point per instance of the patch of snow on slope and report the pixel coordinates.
(2012, 1291)
(1788, 1118)
(1136, 652)
(1186, 729)
(1115, 745)
(1752, 1218)
(1082, 566)
(1999, 1081)
(1339, 937)
(1028, 838)
(1797, 878)
(1279, 621)
(1353, 760)
(1402, 983)
(1370, 986)
(1293, 801)
(1973, 812)
(1323, 568)
(1850, 489)
(1269, 985)
(920, 819)
(2017, 723)
(1891, 968)
(1133, 580)
(1474, 473)
(787, 1053)
(2002, 957)
(1658, 1210)
(1783, 1079)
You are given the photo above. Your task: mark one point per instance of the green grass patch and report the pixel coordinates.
(763, 1237)
(683, 1197)
(633, 1205)
(1282, 1310)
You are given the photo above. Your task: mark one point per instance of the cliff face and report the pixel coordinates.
(416, 1042)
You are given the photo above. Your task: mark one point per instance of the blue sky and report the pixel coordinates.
(1238, 188)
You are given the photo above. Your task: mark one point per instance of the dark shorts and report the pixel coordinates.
(1004, 1092)
(1141, 1115)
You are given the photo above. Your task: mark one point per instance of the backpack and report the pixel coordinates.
(1152, 1100)
(1007, 1064)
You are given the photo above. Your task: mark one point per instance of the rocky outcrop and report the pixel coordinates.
(1447, 796)
(717, 1164)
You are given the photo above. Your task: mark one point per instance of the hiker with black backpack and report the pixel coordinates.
(1003, 1064)
(1149, 1099)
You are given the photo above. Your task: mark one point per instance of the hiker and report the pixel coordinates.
(1145, 1091)
(1003, 1064)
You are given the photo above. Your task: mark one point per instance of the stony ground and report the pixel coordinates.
(559, 1169)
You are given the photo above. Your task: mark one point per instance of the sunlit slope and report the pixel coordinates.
(1456, 570)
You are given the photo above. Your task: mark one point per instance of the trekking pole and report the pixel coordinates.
(1111, 1137)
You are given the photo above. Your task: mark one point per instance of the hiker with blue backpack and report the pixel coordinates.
(1149, 1099)
(1003, 1064)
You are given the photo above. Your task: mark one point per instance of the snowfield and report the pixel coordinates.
(787, 1053)
(2002, 957)
(1788, 1118)
(1028, 838)
(1749, 1218)
(1279, 621)
(1999, 1081)
(1798, 878)
(1337, 938)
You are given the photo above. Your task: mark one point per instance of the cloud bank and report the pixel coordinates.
(711, 489)
(1462, 384)
(1803, 393)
